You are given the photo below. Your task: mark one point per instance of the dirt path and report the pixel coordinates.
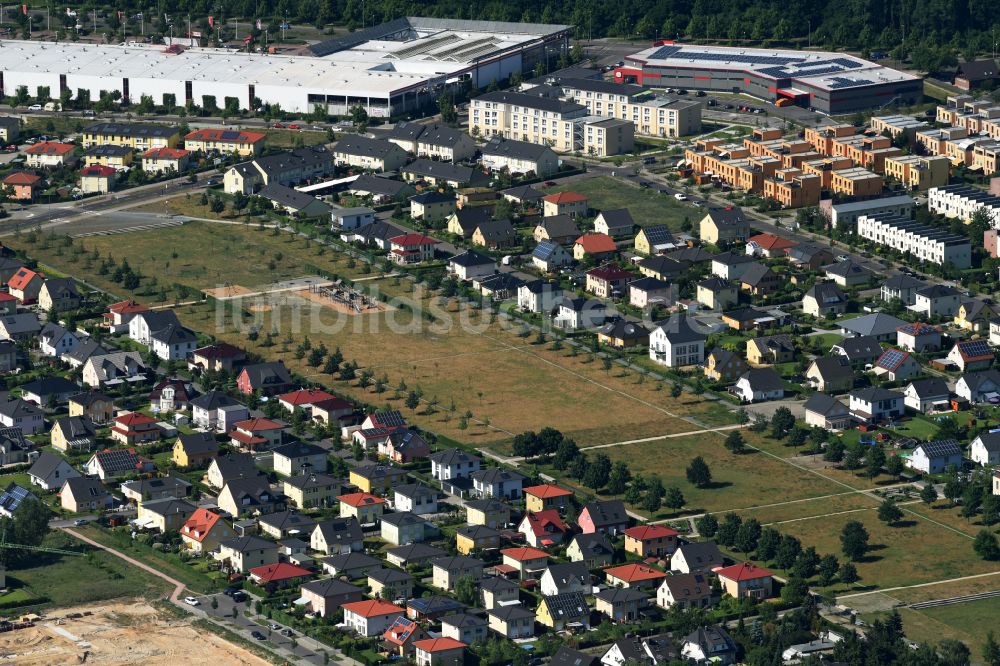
(179, 587)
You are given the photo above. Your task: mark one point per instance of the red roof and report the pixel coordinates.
(745, 571)
(200, 524)
(633, 573)
(21, 278)
(644, 532)
(22, 178)
(128, 307)
(50, 148)
(272, 573)
(217, 135)
(918, 328)
(305, 397)
(771, 242)
(98, 170)
(596, 243)
(372, 608)
(545, 522)
(256, 425)
(968, 349)
(4, 297)
(245, 439)
(891, 359)
(524, 553)
(333, 403)
(547, 491)
(401, 631)
(360, 499)
(565, 198)
(134, 418)
(610, 272)
(166, 153)
(409, 240)
(439, 644)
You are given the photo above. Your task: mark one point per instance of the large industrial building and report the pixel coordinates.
(832, 83)
(393, 68)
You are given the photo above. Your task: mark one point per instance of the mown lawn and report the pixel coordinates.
(646, 205)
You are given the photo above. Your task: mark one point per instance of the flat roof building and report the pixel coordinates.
(831, 83)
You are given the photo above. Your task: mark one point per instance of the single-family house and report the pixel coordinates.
(936, 457)
(759, 385)
(825, 411)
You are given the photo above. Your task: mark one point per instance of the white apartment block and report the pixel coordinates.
(541, 117)
(962, 201)
(653, 116)
(922, 242)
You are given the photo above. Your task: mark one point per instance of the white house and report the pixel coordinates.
(872, 405)
(538, 296)
(985, 448)
(759, 385)
(54, 340)
(924, 243)
(937, 456)
(937, 301)
(173, 342)
(925, 395)
(371, 617)
(217, 411)
(453, 464)
(675, 343)
(977, 387)
(471, 265)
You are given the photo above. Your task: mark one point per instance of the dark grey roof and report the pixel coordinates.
(898, 282)
(975, 380)
(134, 130)
(457, 563)
(558, 226)
(235, 465)
(679, 331)
(496, 475)
(454, 456)
(433, 134)
(299, 450)
(432, 196)
(876, 324)
(827, 294)
(86, 487)
(477, 532)
(728, 217)
(622, 329)
(402, 519)
(533, 99)
(350, 561)
(47, 463)
(568, 573)
(622, 594)
(860, 348)
(846, 269)
(306, 158)
(330, 587)
(16, 409)
(380, 185)
(520, 150)
(213, 400)
(415, 551)
(107, 150)
(508, 613)
(928, 388)
(763, 379)
(701, 553)
(461, 620)
(356, 144)
(827, 405)
(663, 265)
(47, 386)
(832, 368)
(198, 443)
(989, 440)
(524, 193)
(389, 576)
(938, 291)
(340, 530)
(173, 334)
(286, 520)
(978, 70)
(458, 173)
(496, 583)
(85, 350)
(658, 234)
(609, 512)
(731, 258)
(876, 394)
(713, 640)
(618, 218)
(497, 231)
(313, 480)
(286, 196)
(169, 505)
(159, 485)
(755, 273)
(245, 543)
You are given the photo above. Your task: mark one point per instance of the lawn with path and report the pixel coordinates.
(647, 206)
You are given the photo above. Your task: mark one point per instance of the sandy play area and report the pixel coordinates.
(120, 632)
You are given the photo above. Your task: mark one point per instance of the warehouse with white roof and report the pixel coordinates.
(390, 69)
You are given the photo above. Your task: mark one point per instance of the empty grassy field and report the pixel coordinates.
(647, 206)
(739, 481)
(811, 508)
(915, 552)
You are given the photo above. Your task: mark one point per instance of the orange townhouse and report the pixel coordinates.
(650, 540)
(546, 496)
(746, 580)
(50, 154)
(135, 428)
(23, 185)
(634, 576)
(226, 141)
(25, 285)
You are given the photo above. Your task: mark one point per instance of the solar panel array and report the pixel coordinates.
(11, 498)
(664, 52)
(229, 135)
(838, 82)
(891, 359)
(976, 348)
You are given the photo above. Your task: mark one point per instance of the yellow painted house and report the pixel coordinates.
(476, 537)
(974, 316)
(489, 512)
(561, 610)
(98, 407)
(116, 157)
(137, 136)
(653, 239)
(377, 478)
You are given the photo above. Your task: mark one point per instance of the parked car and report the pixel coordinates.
(294, 126)
(80, 522)
(680, 196)
(35, 107)
(191, 601)
(257, 635)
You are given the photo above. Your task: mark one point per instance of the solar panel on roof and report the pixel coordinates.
(664, 52)
(891, 359)
(976, 348)
(229, 135)
(838, 82)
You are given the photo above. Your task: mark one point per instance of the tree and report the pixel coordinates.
(953, 653)
(708, 525)
(446, 105)
(854, 540)
(599, 472)
(767, 544)
(986, 545)
(929, 493)
(806, 563)
(735, 442)
(412, 400)
(894, 466)
(889, 513)
(651, 502)
(828, 568)
(698, 473)
(620, 476)
(674, 498)
(675, 391)
(358, 115)
(788, 551)
(782, 421)
(874, 460)
(466, 589)
(729, 529)
(848, 574)
(29, 526)
(748, 535)
(991, 650)
(794, 591)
